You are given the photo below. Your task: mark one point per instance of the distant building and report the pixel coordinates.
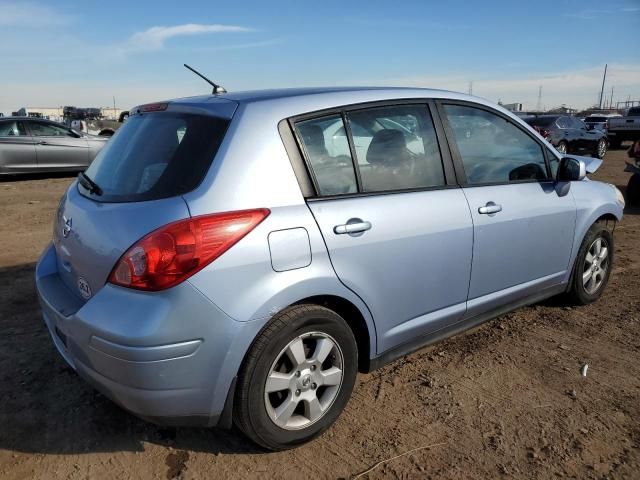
(57, 113)
(563, 110)
(51, 113)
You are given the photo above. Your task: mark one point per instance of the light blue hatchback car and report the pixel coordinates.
(240, 257)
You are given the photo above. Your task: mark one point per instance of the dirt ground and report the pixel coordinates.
(504, 400)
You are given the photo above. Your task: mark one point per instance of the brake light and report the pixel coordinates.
(543, 132)
(173, 253)
(153, 107)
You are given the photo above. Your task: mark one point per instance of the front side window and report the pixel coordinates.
(12, 128)
(396, 148)
(563, 122)
(327, 149)
(43, 129)
(492, 149)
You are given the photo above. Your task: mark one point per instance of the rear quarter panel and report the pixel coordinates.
(253, 170)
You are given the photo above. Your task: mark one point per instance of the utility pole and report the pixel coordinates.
(471, 87)
(115, 117)
(539, 105)
(611, 99)
(604, 77)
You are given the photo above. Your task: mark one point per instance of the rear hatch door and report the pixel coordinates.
(89, 237)
(158, 155)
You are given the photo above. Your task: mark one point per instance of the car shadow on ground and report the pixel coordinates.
(36, 176)
(47, 408)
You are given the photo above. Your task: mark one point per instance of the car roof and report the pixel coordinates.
(293, 101)
(288, 93)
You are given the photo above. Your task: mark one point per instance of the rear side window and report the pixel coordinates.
(327, 150)
(156, 155)
(395, 148)
(492, 149)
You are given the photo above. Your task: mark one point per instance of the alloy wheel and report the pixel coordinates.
(304, 381)
(562, 148)
(596, 264)
(602, 148)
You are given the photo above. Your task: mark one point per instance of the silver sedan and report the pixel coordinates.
(29, 145)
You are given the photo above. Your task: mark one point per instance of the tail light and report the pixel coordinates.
(542, 131)
(173, 253)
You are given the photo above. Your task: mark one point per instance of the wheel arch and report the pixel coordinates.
(354, 318)
(607, 213)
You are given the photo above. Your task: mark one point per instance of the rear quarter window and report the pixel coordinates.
(156, 155)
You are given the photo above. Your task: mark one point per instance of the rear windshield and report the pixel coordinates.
(595, 119)
(156, 155)
(540, 121)
(634, 112)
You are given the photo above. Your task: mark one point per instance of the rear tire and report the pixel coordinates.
(296, 378)
(593, 265)
(633, 190)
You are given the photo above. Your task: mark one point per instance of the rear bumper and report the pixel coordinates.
(164, 356)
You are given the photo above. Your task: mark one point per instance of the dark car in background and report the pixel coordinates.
(570, 135)
(29, 145)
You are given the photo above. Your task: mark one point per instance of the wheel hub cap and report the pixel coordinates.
(306, 382)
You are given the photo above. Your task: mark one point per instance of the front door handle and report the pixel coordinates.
(357, 226)
(490, 208)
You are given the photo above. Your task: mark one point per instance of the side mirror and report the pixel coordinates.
(571, 170)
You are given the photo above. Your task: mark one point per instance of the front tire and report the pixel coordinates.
(297, 377)
(593, 265)
(601, 149)
(562, 148)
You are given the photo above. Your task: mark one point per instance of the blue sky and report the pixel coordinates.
(83, 53)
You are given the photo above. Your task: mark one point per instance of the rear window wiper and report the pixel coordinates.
(89, 184)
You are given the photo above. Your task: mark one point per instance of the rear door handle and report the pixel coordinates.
(42, 142)
(490, 208)
(352, 227)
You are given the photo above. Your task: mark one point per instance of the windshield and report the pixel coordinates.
(595, 119)
(155, 155)
(634, 112)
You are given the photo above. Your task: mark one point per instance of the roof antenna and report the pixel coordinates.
(217, 89)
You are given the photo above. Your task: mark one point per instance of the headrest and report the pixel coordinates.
(387, 147)
(313, 138)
